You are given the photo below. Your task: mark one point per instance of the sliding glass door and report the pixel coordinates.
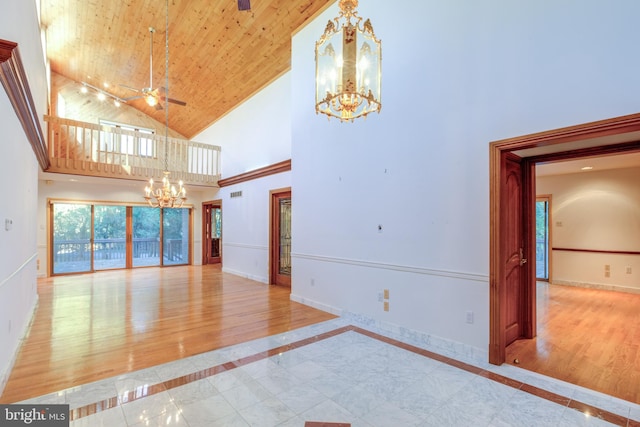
(146, 236)
(175, 236)
(71, 249)
(109, 237)
(89, 237)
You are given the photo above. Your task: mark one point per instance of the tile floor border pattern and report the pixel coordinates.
(149, 390)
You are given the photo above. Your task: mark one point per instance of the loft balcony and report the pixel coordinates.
(89, 149)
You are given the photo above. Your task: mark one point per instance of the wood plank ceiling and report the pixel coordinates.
(218, 56)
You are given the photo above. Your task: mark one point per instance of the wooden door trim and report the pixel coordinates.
(273, 254)
(615, 135)
(528, 306)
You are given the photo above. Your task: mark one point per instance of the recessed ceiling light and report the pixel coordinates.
(587, 168)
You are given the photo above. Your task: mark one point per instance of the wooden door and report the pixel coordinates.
(212, 229)
(280, 230)
(513, 247)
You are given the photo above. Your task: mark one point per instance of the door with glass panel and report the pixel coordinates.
(212, 228)
(280, 251)
(175, 236)
(109, 237)
(145, 240)
(71, 238)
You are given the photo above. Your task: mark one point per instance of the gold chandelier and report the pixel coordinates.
(166, 196)
(348, 66)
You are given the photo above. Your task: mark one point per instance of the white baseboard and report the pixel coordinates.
(443, 346)
(602, 286)
(320, 306)
(260, 279)
(4, 375)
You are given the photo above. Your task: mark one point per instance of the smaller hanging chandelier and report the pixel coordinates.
(166, 196)
(348, 66)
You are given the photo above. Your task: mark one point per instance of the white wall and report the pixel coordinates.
(245, 226)
(254, 135)
(596, 210)
(456, 76)
(257, 133)
(18, 185)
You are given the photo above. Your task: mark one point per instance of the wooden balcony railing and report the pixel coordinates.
(80, 148)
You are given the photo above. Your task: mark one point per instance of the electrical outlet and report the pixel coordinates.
(629, 269)
(470, 317)
(379, 296)
(386, 294)
(386, 306)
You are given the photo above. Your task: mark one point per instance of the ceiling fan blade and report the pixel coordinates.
(164, 98)
(244, 5)
(130, 88)
(174, 101)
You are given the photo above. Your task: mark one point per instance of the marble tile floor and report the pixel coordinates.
(338, 372)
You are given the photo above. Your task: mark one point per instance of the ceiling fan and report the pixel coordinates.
(152, 96)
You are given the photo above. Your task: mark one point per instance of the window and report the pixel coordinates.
(542, 237)
(127, 144)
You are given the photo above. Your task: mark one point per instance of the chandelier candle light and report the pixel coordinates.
(348, 66)
(166, 196)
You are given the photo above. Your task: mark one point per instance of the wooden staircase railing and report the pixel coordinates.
(88, 149)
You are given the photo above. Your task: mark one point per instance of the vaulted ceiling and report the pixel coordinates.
(218, 56)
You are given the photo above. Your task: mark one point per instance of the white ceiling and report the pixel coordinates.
(617, 161)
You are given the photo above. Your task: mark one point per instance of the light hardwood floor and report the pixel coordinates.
(94, 326)
(586, 337)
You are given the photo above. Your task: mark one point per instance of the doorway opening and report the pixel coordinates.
(612, 136)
